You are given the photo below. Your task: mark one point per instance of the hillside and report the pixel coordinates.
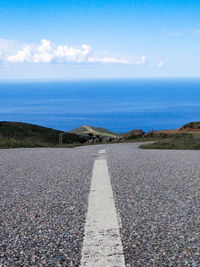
(186, 137)
(28, 132)
(192, 126)
(90, 130)
(18, 134)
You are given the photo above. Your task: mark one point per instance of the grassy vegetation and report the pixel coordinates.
(28, 133)
(71, 138)
(18, 134)
(192, 125)
(13, 143)
(143, 139)
(177, 141)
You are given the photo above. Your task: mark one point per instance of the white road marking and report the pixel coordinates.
(102, 244)
(102, 151)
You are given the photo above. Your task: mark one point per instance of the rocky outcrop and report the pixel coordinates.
(93, 141)
(107, 139)
(133, 134)
(155, 134)
(163, 133)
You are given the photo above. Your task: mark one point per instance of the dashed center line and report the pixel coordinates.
(102, 244)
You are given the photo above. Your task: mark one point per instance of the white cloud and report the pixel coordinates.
(160, 64)
(142, 61)
(107, 60)
(48, 52)
(23, 55)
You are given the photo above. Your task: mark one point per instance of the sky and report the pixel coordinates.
(82, 39)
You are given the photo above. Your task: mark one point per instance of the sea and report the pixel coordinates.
(118, 105)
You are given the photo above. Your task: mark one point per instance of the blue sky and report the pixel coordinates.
(99, 39)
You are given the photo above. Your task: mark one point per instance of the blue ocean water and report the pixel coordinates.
(119, 105)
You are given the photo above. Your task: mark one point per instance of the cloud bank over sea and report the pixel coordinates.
(49, 52)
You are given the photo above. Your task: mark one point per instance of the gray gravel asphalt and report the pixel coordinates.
(43, 202)
(44, 197)
(158, 196)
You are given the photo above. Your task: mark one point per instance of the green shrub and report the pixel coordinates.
(176, 141)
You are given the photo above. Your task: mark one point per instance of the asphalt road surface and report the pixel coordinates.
(48, 199)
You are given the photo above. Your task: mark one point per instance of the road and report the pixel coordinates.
(48, 198)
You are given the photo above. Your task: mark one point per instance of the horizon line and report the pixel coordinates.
(96, 79)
